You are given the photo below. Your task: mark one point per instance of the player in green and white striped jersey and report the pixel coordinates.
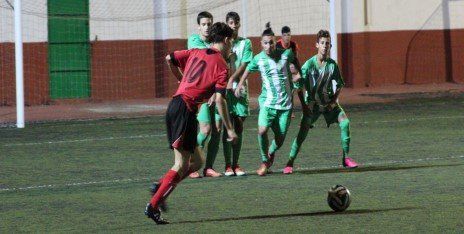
(238, 106)
(323, 82)
(275, 100)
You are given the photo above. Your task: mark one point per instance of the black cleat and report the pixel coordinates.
(153, 188)
(155, 215)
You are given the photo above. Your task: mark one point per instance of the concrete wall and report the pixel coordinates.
(379, 42)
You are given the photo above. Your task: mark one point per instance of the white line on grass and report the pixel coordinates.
(248, 129)
(77, 184)
(394, 121)
(85, 140)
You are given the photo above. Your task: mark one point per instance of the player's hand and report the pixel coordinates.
(212, 99)
(238, 90)
(232, 136)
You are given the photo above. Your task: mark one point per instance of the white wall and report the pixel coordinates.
(400, 15)
(121, 20)
(34, 21)
(140, 19)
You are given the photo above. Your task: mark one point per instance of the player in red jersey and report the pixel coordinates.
(205, 73)
(285, 42)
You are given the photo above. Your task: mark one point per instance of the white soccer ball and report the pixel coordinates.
(339, 198)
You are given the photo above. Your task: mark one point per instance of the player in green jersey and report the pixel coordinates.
(238, 106)
(207, 113)
(323, 82)
(275, 100)
(198, 41)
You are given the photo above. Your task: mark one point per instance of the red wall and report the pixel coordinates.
(137, 70)
(36, 79)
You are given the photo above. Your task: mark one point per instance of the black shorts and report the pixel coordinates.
(182, 125)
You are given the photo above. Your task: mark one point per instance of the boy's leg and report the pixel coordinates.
(237, 147)
(213, 146)
(306, 123)
(204, 119)
(337, 115)
(279, 127)
(265, 120)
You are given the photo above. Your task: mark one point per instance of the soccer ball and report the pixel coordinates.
(339, 198)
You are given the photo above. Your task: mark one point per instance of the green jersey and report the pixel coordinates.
(195, 42)
(242, 53)
(321, 83)
(276, 91)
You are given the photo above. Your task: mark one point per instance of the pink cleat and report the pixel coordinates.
(288, 170)
(349, 163)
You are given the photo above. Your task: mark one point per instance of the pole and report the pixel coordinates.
(19, 66)
(244, 15)
(333, 32)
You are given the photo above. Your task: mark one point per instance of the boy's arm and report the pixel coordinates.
(237, 74)
(245, 60)
(240, 84)
(173, 68)
(221, 105)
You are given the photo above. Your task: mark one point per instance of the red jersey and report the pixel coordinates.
(205, 72)
(293, 46)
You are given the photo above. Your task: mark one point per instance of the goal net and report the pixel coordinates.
(88, 59)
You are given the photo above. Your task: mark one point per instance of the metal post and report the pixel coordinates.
(333, 32)
(244, 15)
(19, 66)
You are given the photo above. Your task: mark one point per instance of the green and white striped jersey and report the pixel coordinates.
(242, 53)
(276, 91)
(321, 83)
(195, 42)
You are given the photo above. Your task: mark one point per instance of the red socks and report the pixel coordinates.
(168, 183)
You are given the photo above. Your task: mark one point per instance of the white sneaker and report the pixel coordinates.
(229, 172)
(239, 171)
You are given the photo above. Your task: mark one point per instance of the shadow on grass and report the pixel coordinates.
(309, 214)
(372, 168)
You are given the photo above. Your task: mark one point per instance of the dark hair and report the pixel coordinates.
(268, 31)
(322, 33)
(233, 15)
(204, 14)
(218, 32)
(285, 29)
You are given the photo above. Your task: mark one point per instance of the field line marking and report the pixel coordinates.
(84, 140)
(77, 184)
(248, 129)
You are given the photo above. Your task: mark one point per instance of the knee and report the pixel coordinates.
(262, 131)
(205, 129)
(180, 166)
(345, 124)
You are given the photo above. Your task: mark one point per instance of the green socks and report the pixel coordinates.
(213, 148)
(297, 142)
(263, 146)
(232, 152)
(345, 136)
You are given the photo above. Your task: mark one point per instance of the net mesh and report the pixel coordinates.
(91, 59)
